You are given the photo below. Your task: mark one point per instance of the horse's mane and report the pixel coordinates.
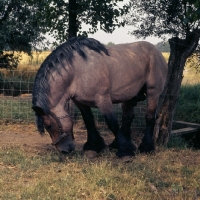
(63, 52)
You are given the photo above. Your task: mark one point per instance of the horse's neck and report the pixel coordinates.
(59, 102)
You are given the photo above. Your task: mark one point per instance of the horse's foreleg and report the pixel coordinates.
(127, 118)
(147, 144)
(94, 141)
(122, 140)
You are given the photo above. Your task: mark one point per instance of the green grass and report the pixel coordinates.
(188, 108)
(188, 105)
(169, 174)
(16, 109)
(177, 142)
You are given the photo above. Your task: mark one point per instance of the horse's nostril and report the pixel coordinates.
(67, 151)
(65, 147)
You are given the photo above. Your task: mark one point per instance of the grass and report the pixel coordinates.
(188, 105)
(169, 174)
(16, 109)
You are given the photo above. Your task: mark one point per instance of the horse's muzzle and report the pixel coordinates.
(65, 147)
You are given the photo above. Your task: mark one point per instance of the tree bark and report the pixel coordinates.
(181, 49)
(72, 30)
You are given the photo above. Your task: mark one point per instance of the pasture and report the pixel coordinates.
(30, 168)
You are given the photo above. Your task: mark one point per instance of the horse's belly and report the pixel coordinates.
(125, 90)
(119, 97)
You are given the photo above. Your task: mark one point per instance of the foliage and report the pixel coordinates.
(18, 30)
(188, 106)
(177, 142)
(164, 18)
(163, 46)
(23, 24)
(110, 44)
(98, 14)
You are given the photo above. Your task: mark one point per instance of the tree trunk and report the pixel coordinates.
(181, 49)
(73, 29)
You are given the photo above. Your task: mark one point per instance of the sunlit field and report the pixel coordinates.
(33, 63)
(190, 74)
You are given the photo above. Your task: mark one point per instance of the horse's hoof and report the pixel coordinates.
(89, 154)
(97, 146)
(113, 145)
(146, 148)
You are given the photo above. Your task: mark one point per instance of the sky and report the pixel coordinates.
(120, 35)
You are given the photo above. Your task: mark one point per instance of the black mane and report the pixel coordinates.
(63, 52)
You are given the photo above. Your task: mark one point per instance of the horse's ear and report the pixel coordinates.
(38, 110)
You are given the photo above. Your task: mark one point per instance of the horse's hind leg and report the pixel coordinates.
(94, 141)
(122, 139)
(147, 144)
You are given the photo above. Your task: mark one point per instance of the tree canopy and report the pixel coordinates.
(164, 18)
(65, 18)
(25, 23)
(19, 30)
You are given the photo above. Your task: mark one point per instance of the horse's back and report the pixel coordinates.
(123, 73)
(136, 64)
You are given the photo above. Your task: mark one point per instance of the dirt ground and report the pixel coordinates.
(28, 138)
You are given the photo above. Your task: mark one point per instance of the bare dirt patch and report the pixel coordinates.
(27, 137)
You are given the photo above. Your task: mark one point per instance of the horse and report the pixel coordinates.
(94, 75)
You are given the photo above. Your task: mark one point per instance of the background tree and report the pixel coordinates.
(65, 18)
(110, 44)
(18, 31)
(24, 24)
(179, 20)
(163, 46)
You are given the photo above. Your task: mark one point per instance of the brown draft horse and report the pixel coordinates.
(92, 75)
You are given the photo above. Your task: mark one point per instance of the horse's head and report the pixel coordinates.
(60, 129)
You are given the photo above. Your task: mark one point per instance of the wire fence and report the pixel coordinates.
(16, 101)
